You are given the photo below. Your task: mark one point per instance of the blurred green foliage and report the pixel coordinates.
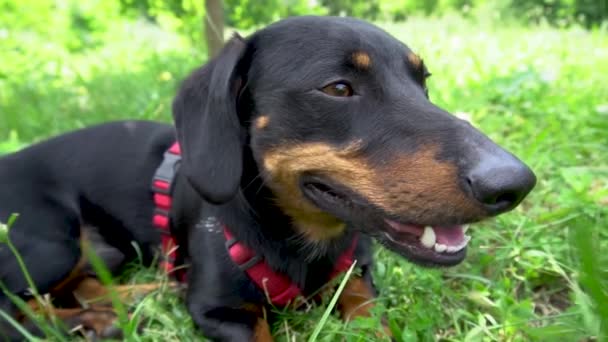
(82, 24)
(76, 24)
(557, 12)
(246, 14)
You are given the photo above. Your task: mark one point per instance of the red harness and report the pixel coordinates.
(279, 288)
(162, 187)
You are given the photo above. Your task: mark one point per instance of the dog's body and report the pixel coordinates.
(309, 133)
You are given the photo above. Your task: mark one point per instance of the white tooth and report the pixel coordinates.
(465, 228)
(452, 249)
(428, 237)
(440, 248)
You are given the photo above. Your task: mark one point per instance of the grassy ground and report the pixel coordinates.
(540, 92)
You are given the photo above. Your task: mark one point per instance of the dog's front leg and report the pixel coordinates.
(357, 299)
(218, 291)
(231, 324)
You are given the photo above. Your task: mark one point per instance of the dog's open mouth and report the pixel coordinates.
(425, 244)
(436, 244)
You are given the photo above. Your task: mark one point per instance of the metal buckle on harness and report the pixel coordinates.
(166, 172)
(250, 263)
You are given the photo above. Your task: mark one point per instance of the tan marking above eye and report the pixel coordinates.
(262, 122)
(419, 69)
(362, 60)
(414, 59)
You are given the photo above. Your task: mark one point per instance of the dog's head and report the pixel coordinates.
(337, 116)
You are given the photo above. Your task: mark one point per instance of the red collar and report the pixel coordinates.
(278, 287)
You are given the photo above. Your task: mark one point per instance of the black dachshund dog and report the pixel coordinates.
(291, 150)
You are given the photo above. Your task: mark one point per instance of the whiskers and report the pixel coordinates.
(244, 198)
(311, 250)
(258, 176)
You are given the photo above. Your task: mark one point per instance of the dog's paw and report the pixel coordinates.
(96, 323)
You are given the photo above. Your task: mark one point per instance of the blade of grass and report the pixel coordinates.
(49, 329)
(26, 274)
(332, 304)
(590, 267)
(18, 326)
(106, 279)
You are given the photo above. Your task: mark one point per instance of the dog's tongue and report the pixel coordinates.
(449, 235)
(406, 228)
(446, 235)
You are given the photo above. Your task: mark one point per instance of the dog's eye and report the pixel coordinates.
(339, 89)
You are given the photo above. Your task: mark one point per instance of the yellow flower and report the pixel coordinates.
(165, 76)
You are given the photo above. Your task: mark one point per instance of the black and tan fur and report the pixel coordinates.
(296, 137)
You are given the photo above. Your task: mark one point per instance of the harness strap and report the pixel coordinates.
(162, 186)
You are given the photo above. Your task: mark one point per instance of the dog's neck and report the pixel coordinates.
(267, 230)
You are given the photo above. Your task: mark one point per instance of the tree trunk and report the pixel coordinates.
(214, 26)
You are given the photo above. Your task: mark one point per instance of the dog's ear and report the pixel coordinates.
(208, 126)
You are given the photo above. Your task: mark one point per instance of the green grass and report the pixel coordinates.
(536, 274)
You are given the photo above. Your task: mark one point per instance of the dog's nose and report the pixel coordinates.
(500, 184)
